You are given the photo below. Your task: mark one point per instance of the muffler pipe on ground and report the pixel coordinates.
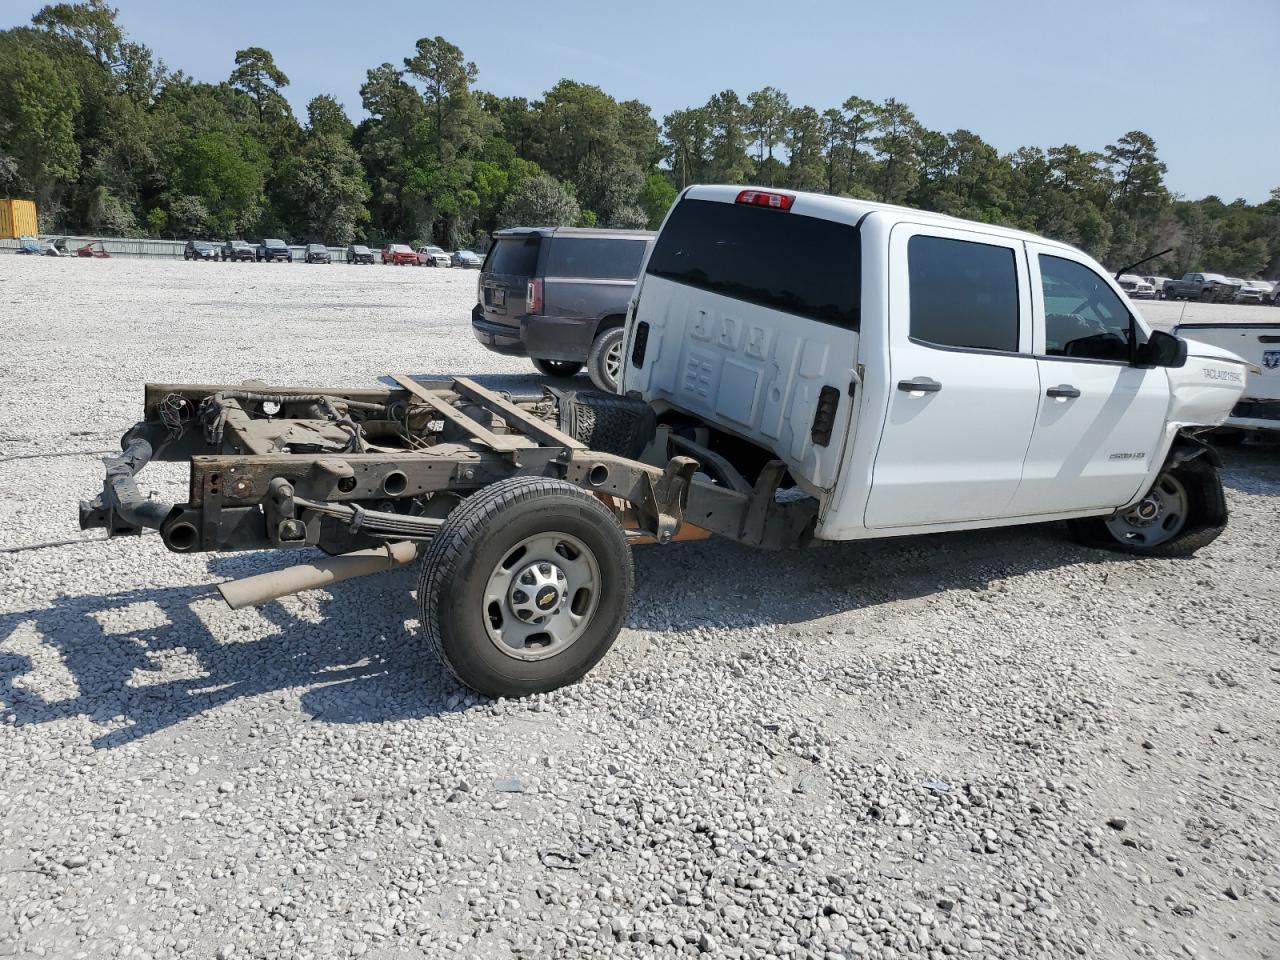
(259, 589)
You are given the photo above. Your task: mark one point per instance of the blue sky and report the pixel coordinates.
(1202, 78)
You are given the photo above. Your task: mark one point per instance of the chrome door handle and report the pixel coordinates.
(1063, 392)
(919, 385)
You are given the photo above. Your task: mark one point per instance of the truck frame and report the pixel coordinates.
(373, 477)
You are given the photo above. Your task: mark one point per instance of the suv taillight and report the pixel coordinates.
(763, 198)
(533, 298)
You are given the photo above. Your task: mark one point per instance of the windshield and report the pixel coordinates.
(400, 248)
(273, 243)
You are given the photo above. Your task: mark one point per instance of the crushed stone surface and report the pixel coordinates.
(993, 744)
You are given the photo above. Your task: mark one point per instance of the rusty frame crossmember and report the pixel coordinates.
(244, 500)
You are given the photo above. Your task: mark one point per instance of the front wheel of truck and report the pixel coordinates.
(1184, 510)
(525, 586)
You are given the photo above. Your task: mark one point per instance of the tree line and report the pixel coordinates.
(108, 140)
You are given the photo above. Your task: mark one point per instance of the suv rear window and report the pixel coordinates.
(802, 265)
(517, 256)
(596, 258)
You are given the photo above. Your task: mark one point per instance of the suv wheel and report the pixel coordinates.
(604, 362)
(556, 368)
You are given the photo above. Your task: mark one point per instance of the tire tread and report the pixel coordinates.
(467, 521)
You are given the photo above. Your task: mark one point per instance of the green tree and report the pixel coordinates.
(38, 107)
(257, 75)
(324, 190)
(92, 25)
(805, 137)
(325, 116)
(688, 134)
(897, 146)
(224, 176)
(539, 201)
(656, 199)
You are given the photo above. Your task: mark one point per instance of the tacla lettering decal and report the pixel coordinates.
(1217, 373)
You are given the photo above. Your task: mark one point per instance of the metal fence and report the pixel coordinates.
(141, 247)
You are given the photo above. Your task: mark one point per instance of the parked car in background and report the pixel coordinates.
(430, 256)
(559, 295)
(467, 259)
(1158, 283)
(1208, 287)
(359, 253)
(199, 250)
(1258, 344)
(398, 254)
(95, 249)
(1253, 291)
(1136, 287)
(317, 253)
(238, 250)
(272, 250)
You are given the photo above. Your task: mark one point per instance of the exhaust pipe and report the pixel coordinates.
(256, 590)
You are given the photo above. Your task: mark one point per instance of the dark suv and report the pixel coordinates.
(559, 295)
(272, 251)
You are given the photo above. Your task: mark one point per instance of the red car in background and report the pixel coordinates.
(95, 249)
(399, 253)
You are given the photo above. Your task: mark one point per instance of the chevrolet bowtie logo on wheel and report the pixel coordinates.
(547, 598)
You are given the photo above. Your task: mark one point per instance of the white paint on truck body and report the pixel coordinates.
(926, 436)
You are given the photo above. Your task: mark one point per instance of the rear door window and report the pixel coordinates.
(802, 265)
(516, 256)
(596, 258)
(963, 294)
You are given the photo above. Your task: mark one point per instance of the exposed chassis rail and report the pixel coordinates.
(246, 494)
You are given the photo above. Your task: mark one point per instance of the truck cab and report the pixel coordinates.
(917, 372)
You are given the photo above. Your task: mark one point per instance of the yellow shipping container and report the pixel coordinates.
(17, 219)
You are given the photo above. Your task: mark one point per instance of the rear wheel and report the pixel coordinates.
(556, 368)
(1183, 511)
(525, 586)
(604, 362)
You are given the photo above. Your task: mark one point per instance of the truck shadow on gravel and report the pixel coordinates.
(138, 662)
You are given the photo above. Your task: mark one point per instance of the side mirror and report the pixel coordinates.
(1162, 350)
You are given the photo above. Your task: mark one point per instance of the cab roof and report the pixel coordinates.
(854, 211)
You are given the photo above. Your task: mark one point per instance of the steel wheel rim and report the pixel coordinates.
(1157, 518)
(520, 619)
(613, 361)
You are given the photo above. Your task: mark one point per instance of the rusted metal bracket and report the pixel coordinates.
(762, 501)
(662, 511)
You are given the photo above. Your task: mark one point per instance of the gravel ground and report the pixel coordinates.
(990, 744)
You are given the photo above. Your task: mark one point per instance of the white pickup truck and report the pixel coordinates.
(1258, 344)
(920, 373)
(797, 368)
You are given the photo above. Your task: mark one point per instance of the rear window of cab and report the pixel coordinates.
(785, 261)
